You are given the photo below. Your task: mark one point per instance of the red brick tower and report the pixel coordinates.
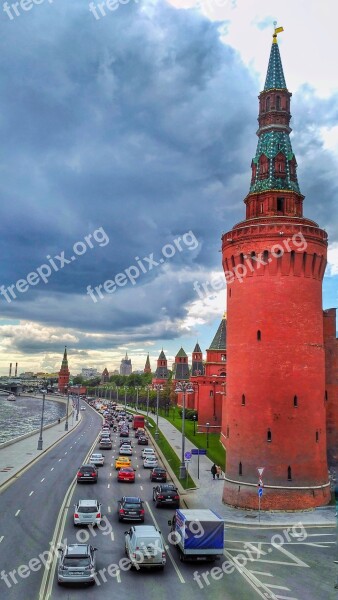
(64, 374)
(274, 263)
(331, 386)
(147, 367)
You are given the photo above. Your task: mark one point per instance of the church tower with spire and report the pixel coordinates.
(274, 263)
(64, 374)
(147, 367)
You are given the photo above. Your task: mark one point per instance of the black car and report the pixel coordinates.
(158, 474)
(87, 473)
(130, 508)
(124, 433)
(166, 493)
(124, 442)
(142, 440)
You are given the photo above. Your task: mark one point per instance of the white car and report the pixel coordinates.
(125, 450)
(97, 459)
(87, 512)
(148, 452)
(83, 408)
(150, 462)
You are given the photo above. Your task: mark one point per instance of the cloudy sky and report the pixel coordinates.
(126, 143)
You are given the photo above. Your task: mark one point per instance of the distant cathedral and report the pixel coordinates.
(126, 366)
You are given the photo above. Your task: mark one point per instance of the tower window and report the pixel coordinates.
(289, 474)
(295, 401)
(268, 436)
(211, 394)
(223, 357)
(259, 335)
(229, 292)
(326, 395)
(228, 431)
(280, 204)
(240, 469)
(278, 102)
(267, 104)
(243, 399)
(261, 207)
(317, 436)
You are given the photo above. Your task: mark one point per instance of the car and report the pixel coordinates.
(126, 474)
(150, 462)
(124, 433)
(105, 444)
(147, 452)
(87, 512)
(82, 408)
(144, 547)
(126, 451)
(158, 474)
(77, 564)
(122, 461)
(130, 508)
(166, 493)
(97, 459)
(139, 431)
(142, 440)
(130, 419)
(87, 473)
(126, 443)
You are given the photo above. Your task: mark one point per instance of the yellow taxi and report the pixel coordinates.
(122, 461)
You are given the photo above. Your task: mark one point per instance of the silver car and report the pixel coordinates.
(97, 459)
(150, 462)
(125, 451)
(77, 564)
(144, 547)
(87, 512)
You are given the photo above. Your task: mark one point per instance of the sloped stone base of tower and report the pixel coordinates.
(246, 496)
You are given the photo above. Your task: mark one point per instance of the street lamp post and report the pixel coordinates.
(77, 407)
(137, 398)
(40, 441)
(125, 398)
(117, 394)
(194, 418)
(66, 423)
(185, 388)
(207, 426)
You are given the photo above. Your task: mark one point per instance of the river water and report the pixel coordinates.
(24, 415)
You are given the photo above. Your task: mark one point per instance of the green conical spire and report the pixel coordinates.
(275, 76)
(65, 358)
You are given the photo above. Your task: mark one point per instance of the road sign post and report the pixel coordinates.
(260, 494)
(198, 451)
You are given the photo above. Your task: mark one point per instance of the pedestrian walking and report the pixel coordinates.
(213, 470)
(218, 471)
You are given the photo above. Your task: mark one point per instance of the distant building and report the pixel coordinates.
(105, 376)
(126, 366)
(27, 375)
(181, 372)
(147, 368)
(89, 373)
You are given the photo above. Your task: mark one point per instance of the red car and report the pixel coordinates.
(126, 474)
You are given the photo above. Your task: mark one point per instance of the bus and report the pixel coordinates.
(138, 421)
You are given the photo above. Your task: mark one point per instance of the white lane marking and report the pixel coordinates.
(112, 536)
(257, 585)
(1, 538)
(261, 573)
(118, 576)
(139, 475)
(110, 474)
(179, 574)
(43, 479)
(52, 469)
(66, 452)
(277, 587)
(59, 459)
(17, 512)
(317, 534)
(109, 509)
(31, 493)
(141, 487)
(108, 486)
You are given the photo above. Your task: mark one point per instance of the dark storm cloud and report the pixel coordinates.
(142, 123)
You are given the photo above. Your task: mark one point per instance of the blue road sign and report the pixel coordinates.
(198, 451)
(187, 455)
(260, 492)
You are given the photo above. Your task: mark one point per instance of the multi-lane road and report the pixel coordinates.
(294, 564)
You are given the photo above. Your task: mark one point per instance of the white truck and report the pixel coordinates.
(197, 534)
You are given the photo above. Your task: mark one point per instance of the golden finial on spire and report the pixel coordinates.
(276, 31)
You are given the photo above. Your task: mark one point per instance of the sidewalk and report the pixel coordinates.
(18, 455)
(209, 492)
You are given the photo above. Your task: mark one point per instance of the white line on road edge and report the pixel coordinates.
(1, 538)
(43, 479)
(179, 574)
(52, 469)
(17, 512)
(31, 493)
(257, 585)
